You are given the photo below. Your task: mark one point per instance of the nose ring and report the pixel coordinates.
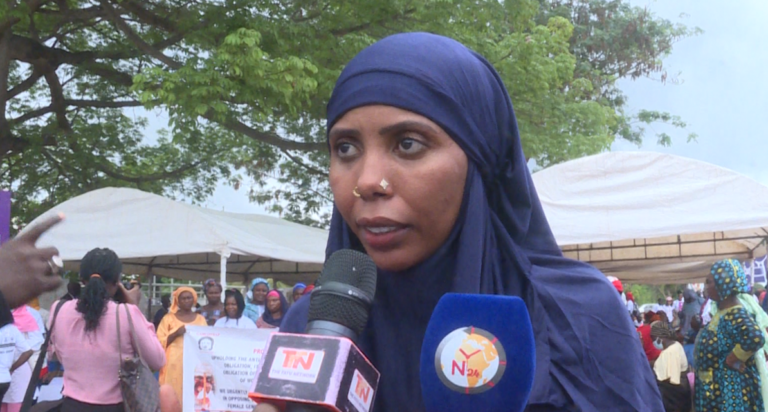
(355, 192)
(384, 184)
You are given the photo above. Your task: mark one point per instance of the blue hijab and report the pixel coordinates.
(588, 356)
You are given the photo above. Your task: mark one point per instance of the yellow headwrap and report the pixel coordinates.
(177, 293)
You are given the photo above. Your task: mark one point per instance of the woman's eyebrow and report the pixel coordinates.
(338, 132)
(407, 124)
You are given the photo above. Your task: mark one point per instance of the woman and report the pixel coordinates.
(691, 308)
(727, 377)
(14, 352)
(429, 178)
(671, 369)
(651, 352)
(277, 306)
(298, 291)
(85, 336)
(234, 306)
(257, 297)
(215, 308)
(29, 323)
(171, 336)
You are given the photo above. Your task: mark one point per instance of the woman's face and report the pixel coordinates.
(230, 307)
(214, 295)
(273, 304)
(186, 301)
(403, 222)
(297, 293)
(711, 288)
(260, 293)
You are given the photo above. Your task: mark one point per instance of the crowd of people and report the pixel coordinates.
(708, 350)
(83, 325)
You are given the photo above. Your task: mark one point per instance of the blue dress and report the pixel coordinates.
(718, 387)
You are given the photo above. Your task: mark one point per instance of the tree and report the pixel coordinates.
(245, 82)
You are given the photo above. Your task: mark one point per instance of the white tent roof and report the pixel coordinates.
(651, 217)
(153, 234)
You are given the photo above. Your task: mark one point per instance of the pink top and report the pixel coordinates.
(91, 360)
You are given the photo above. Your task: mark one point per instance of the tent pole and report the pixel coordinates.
(223, 274)
(150, 293)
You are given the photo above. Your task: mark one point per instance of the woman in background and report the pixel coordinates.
(14, 351)
(171, 336)
(85, 336)
(257, 298)
(30, 324)
(276, 308)
(215, 308)
(298, 291)
(671, 369)
(234, 306)
(727, 377)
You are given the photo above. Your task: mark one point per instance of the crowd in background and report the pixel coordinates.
(85, 336)
(708, 350)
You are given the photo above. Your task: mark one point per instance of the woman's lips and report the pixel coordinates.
(380, 233)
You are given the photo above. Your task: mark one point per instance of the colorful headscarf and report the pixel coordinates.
(24, 320)
(730, 278)
(258, 281)
(177, 293)
(661, 329)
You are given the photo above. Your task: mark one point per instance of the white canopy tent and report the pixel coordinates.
(653, 218)
(154, 235)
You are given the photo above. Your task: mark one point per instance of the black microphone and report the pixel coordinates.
(323, 369)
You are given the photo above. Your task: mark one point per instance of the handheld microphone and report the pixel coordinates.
(478, 354)
(324, 370)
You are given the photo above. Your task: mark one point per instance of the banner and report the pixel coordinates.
(5, 216)
(219, 367)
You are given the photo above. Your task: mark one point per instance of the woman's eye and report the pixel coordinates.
(410, 146)
(346, 150)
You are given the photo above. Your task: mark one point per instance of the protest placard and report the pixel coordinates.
(219, 367)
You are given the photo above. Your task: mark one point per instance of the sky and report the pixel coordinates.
(721, 91)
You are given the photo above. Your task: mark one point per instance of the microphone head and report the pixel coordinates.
(344, 293)
(478, 354)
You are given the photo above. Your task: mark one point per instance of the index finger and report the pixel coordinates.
(35, 232)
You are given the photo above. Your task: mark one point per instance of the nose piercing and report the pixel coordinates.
(384, 184)
(355, 192)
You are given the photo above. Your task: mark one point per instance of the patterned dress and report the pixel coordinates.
(719, 388)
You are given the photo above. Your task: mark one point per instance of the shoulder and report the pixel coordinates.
(200, 320)
(296, 319)
(10, 330)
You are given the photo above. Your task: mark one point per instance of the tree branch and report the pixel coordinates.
(32, 115)
(102, 104)
(268, 138)
(134, 38)
(306, 167)
(148, 178)
(25, 85)
(58, 102)
(149, 18)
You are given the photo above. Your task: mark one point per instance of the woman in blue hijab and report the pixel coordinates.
(430, 180)
(257, 299)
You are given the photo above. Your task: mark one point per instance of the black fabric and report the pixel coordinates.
(159, 315)
(71, 405)
(676, 398)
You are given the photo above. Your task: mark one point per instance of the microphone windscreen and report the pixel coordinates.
(478, 354)
(345, 290)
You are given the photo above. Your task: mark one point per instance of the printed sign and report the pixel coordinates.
(219, 367)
